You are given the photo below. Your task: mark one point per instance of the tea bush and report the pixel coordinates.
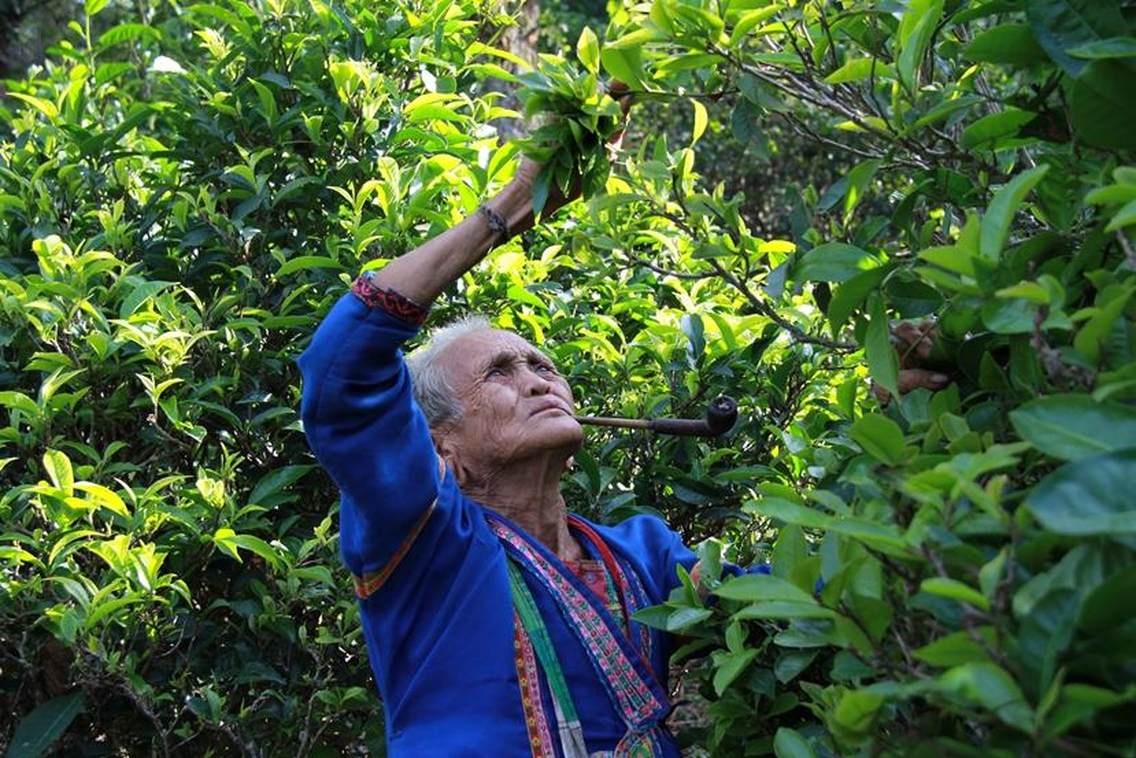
(975, 545)
(183, 196)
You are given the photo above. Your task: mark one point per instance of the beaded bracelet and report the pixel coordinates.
(496, 222)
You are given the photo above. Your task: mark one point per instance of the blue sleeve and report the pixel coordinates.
(729, 569)
(679, 554)
(662, 550)
(366, 430)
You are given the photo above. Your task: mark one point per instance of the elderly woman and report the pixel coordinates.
(497, 623)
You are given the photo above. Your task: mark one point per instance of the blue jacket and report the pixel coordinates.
(434, 592)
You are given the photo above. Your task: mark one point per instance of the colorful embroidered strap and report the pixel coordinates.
(595, 576)
(528, 677)
(630, 593)
(609, 562)
(628, 679)
(570, 730)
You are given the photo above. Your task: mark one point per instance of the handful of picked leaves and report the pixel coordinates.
(579, 117)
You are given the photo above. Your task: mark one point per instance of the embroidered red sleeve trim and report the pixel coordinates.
(394, 303)
(370, 582)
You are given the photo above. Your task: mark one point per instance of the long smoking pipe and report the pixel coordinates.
(720, 416)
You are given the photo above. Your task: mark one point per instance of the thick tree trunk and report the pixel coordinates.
(27, 29)
(520, 40)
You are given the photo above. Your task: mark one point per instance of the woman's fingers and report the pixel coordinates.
(916, 378)
(527, 171)
(618, 91)
(913, 339)
(912, 379)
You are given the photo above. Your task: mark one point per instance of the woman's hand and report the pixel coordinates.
(913, 342)
(528, 170)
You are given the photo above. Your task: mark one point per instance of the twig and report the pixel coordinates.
(1126, 246)
(828, 35)
(805, 60)
(141, 705)
(799, 126)
(799, 334)
(667, 272)
(713, 96)
(805, 89)
(904, 649)
(1055, 369)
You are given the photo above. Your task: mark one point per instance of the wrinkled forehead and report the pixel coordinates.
(473, 352)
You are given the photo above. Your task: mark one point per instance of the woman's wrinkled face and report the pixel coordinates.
(514, 403)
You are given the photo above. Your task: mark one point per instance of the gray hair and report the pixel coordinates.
(432, 390)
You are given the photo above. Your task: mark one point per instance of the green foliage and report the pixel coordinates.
(572, 147)
(180, 202)
(183, 196)
(937, 582)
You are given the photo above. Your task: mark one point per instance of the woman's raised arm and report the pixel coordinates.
(422, 274)
(357, 405)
